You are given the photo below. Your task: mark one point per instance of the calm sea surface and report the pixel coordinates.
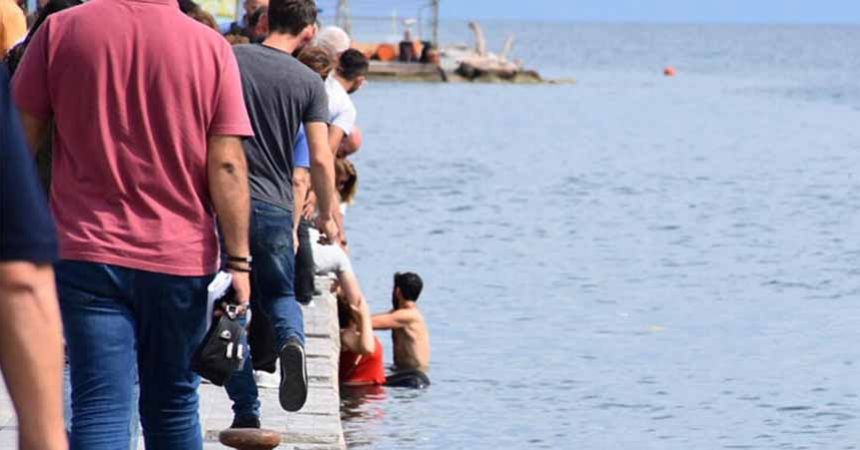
(629, 262)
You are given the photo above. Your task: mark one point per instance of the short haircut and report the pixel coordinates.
(291, 16)
(353, 64)
(319, 58)
(410, 285)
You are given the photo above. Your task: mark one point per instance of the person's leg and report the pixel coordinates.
(241, 387)
(171, 312)
(242, 390)
(99, 326)
(134, 422)
(273, 277)
(304, 265)
(67, 397)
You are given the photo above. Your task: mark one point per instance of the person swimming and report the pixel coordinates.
(409, 334)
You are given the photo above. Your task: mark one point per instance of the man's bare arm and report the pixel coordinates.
(393, 320)
(228, 187)
(301, 185)
(31, 353)
(36, 131)
(335, 136)
(322, 177)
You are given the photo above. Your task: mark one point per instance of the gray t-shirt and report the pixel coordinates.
(280, 93)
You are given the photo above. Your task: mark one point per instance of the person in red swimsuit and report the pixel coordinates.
(361, 358)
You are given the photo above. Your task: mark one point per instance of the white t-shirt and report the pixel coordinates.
(342, 112)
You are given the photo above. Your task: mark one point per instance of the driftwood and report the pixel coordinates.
(482, 63)
(506, 50)
(480, 41)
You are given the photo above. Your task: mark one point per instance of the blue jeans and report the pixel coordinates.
(134, 421)
(124, 325)
(272, 285)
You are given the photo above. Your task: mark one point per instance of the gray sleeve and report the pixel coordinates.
(317, 107)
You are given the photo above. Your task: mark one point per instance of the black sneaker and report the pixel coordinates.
(293, 390)
(246, 422)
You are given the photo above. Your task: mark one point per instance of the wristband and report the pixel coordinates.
(238, 269)
(240, 259)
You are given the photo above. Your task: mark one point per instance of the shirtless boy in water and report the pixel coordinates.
(409, 335)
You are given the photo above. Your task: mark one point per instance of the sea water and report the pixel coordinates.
(634, 261)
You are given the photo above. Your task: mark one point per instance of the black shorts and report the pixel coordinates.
(413, 379)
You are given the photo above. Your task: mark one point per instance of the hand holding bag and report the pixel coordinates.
(222, 351)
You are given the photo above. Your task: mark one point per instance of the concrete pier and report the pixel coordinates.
(316, 427)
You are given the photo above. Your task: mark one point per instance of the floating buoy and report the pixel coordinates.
(670, 71)
(386, 52)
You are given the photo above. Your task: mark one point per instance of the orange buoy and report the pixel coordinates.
(670, 71)
(386, 52)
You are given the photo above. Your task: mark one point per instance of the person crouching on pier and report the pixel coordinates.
(409, 334)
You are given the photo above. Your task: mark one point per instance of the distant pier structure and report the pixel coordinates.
(407, 45)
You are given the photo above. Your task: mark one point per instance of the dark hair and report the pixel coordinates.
(353, 64)
(255, 17)
(187, 6)
(291, 16)
(319, 58)
(344, 317)
(410, 285)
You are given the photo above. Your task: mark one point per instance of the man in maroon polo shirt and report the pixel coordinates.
(148, 117)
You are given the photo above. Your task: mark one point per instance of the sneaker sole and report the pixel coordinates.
(293, 390)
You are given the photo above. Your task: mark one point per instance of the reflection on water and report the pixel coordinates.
(631, 262)
(363, 412)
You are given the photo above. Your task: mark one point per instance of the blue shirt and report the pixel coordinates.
(301, 152)
(27, 231)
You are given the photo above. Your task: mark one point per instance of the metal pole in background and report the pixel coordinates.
(435, 4)
(342, 18)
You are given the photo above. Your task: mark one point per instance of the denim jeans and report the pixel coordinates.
(133, 423)
(124, 325)
(272, 286)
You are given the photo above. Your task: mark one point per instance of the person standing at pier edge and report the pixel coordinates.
(281, 94)
(147, 150)
(31, 349)
(409, 335)
(347, 78)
